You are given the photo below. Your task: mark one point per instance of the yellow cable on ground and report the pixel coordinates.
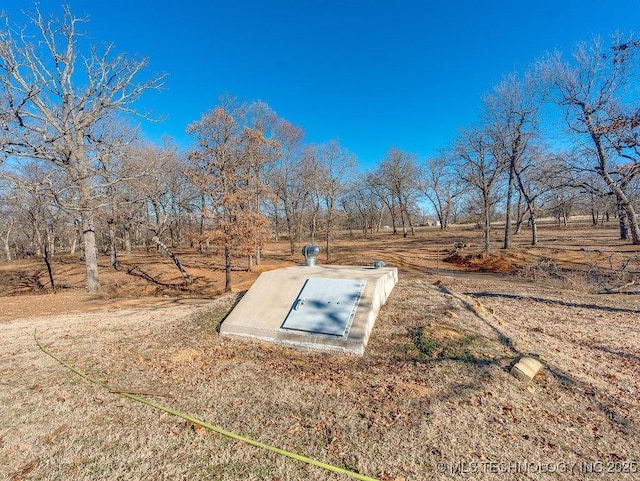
(216, 429)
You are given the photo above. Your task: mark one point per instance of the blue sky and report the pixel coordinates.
(371, 74)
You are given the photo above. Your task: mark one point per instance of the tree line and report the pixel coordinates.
(559, 138)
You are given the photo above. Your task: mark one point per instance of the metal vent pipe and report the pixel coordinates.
(310, 253)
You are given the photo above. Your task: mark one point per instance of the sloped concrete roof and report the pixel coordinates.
(263, 309)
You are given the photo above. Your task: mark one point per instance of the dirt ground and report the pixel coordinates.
(432, 397)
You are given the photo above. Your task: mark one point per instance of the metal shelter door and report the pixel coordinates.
(325, 306)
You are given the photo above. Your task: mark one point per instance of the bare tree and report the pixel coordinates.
(150, 180)
(56, 99)
(287, 180)
(536, 175)
(364, 204)
(335, 167)
(113, 170)
(377, 184)
(480, 170)
(400, 174)
(592, 89)
(511, 118)
(439, 184)
(34, 205)
(311, 172)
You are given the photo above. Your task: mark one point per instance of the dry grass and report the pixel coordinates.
(431, 392)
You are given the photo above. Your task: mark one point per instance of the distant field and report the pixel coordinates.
(578, 246)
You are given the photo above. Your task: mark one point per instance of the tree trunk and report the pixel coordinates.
(595, 213)
(507, 220)
(276, 223)
(392, 213)
(633, 224)
(227, 270)
(79, 241)
(87, 212)
(622, 219)
(328, 238)
(127, 240)
(113, 248)
(90, 251)
(404, 227)
(37, 237)
(534, 228)
(47, 261)
(314, 223)
(7, 247)
(51, 241)
(520, 213)
(291, 227)
(174, 258)
(406, 212)
(621, 196)
(487, 224)
(444, 216)
(201, 225)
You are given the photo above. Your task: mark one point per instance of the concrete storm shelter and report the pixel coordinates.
(318, 307)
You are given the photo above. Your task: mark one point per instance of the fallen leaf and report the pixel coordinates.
(25, 470)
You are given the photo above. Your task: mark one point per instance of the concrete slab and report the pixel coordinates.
(262, 310)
